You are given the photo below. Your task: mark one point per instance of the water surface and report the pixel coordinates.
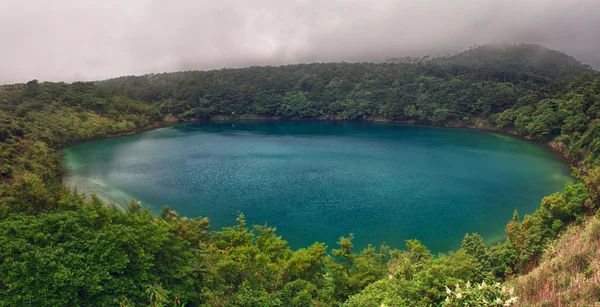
(319, 180)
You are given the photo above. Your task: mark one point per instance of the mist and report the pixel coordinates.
(73, 40)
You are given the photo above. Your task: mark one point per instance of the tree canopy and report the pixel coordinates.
(59, 248)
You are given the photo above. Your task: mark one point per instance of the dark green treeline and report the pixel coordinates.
(58, 249)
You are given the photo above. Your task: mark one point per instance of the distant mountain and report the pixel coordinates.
(532, 58)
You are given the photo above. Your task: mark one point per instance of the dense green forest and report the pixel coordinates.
(59, 248)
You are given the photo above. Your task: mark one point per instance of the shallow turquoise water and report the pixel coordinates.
(318, 180)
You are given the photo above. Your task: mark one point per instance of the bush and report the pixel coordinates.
(479, 295)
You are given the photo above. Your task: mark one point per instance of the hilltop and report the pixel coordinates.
(532, 58)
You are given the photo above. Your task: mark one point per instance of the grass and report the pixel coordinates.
(569, 274)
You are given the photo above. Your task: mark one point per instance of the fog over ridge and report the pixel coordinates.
(72, 40)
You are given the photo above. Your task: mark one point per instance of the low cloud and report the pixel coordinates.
(89, 39)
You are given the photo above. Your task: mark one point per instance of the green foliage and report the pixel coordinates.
(527, 59)
(57, 248)
(4, 134)
(250, 266)
(92, 255)
(440, 91)
(473, 245)
(416, 278)
(351, 272)
(531, 236)
(503, 258)
(480, 295)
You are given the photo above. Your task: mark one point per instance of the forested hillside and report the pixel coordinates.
(519, 58)
(57, 248)
(456, 89)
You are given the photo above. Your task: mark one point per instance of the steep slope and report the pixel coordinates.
(569, 275)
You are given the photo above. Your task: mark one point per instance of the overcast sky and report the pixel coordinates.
(68, 40)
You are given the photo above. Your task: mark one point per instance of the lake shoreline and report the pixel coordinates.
(303, 167)
(480, 125)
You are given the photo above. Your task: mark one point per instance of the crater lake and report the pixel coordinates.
(319, 180)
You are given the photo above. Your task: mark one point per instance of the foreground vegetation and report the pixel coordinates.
(569, 274)
(57, 248)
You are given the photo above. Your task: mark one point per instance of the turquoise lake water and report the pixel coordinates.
(319, 180)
